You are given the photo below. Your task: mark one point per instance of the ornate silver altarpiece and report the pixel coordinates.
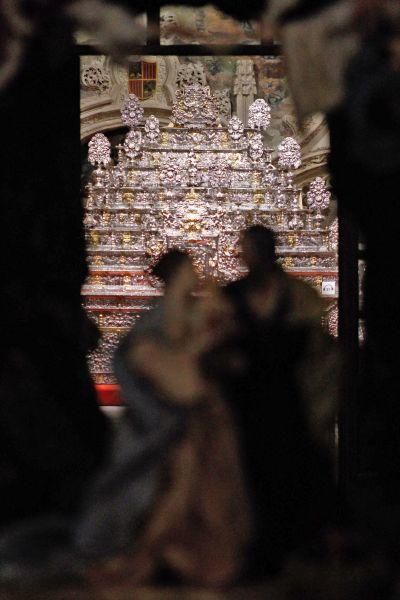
(194, 184)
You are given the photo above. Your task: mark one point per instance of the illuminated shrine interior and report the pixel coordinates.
(243, 429)
(212, 146)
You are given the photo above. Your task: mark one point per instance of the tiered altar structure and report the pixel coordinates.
(195, 185)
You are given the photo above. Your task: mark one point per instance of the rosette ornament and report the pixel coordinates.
(193, 172)
(259, 114)
(256, 148)
(152, 129)
(289, 154)
(318, 198)
(235, 129)
(219, 175)
(99, 150)
(171, 176)
(132, 111)
(132, 144)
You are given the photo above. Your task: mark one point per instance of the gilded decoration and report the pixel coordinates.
(195, 184)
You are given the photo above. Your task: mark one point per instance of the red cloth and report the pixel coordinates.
(108, 395)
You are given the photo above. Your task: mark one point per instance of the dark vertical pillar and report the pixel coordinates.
(348, 336)
(370, 413)
(52, 435)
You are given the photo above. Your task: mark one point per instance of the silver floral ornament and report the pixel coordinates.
(193, 172)
(119, 176)
(259, 114)
(333, 235)
(318, 195)
(219, 175)
(99, 153)
(171, 176)
(152, 129)
(269, 176)
(281, 199)
(132, 144)
(318, 198)
(289, 154)
(256, 147)
(132, 111)
(235, 129)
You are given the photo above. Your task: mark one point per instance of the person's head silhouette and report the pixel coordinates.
(258, 246)
(170, 264)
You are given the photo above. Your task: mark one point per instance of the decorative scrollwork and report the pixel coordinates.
(235, 129)
(194, 105)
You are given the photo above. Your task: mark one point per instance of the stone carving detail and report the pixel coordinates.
(223, 98)
(95, 77)
(189, 73)
(244, 87)
(245, 81)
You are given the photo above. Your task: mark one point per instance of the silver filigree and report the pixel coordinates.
(152, 129)
(171, 176)
(270, 175)
(194, 175)
(194, 187)
(235, 129)
(99, 153)
(189, 73)
(219, 175)
(132, 144)
(334, 235)
(280, 199)
(195, 105)
(289, 154)
(318, 195)
(259, 114)
(132, 111)
(256, 147)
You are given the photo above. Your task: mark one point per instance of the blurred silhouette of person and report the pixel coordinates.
(266, 297)
(173, 497)
(288, 471)
(266, 292)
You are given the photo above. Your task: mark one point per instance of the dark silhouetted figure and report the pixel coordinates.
(287, 471)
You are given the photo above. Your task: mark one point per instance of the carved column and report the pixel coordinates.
(244, 87)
